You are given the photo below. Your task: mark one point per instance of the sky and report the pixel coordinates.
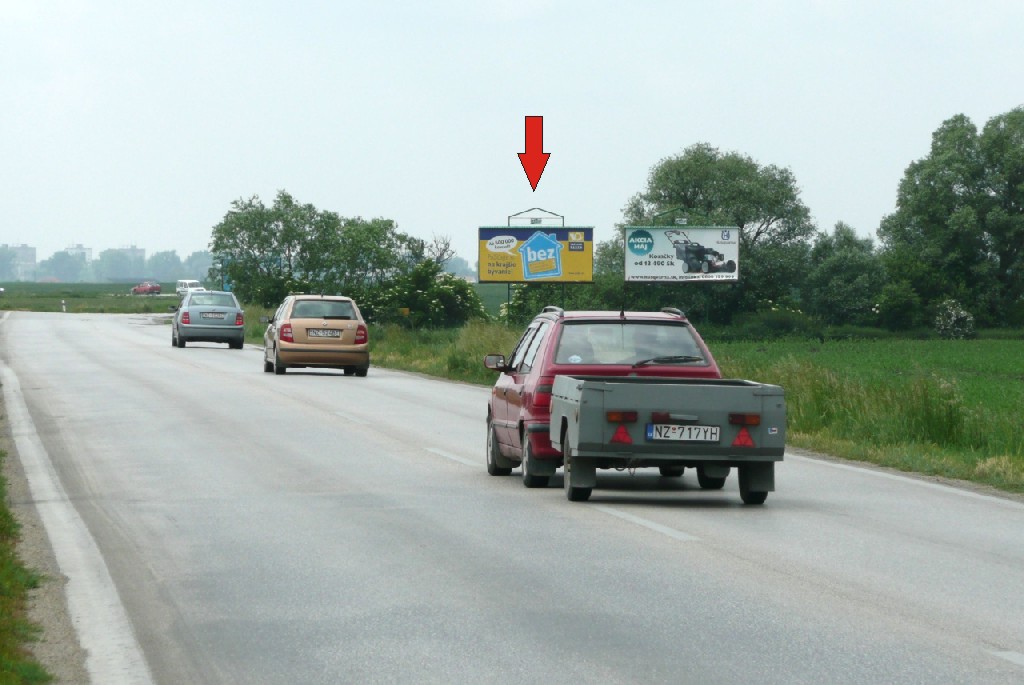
(138, 123)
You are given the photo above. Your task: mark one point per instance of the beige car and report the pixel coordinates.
(320, 331)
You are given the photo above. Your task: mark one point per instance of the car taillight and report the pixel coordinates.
(286, 333)
(362, 335)
(745, 419)
(239, 321)
(542, 395)
(184, 317)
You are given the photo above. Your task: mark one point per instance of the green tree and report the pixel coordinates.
(958, 229)
(164, 266)
(263, 245)
(64, 267)
(197, 265)
(117, 265)
(845, 279)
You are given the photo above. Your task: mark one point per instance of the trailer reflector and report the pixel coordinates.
(743, 439)
(622, 436)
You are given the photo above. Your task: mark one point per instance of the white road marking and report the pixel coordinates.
(949, 489)
(453, 457)
(1012, 657)
(113, 652)
(650, 525)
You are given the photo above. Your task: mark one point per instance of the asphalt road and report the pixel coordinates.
(225, 525)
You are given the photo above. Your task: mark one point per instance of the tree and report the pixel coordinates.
(432, 297)
(845, 278)
(197, 265)
(958, 229)
(164, 266)
(116, 265)
(65, 267)
(263, 245)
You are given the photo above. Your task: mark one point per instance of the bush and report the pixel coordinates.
(953, 322)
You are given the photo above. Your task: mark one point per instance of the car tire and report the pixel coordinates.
(709, 482)
(278, 366)
(179, 341)
(267, 365)
(573, 493)
(671, 471)
(362, 371)
(530, 479)
(174, 339)
(494, 454)
(746, 494)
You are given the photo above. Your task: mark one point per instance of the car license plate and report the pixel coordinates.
(664, 431)
(323, 333)
(212, 315)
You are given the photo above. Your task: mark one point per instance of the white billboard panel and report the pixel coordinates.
(682, 253)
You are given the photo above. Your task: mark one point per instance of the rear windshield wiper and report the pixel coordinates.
(674, 359)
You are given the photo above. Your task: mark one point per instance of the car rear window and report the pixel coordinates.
(616, 342)
(323, 309)
(212, 299)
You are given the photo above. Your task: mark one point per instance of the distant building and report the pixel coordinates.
(134, 253)
(24, 261)
(76, 250)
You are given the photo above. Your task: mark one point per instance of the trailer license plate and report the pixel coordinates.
(663, 431)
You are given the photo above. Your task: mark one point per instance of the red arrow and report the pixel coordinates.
(534, 159)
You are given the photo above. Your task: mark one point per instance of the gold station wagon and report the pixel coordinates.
(320, 331)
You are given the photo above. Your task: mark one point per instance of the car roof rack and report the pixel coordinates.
(552, 309)
(673, 310)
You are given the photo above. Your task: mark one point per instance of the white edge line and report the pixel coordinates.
(113, 654)
(453, 457)
(867, 469)
(1012, 657)
(650, 525)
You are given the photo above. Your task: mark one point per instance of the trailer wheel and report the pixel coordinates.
(671, 471)
(746, 494)
(709, 482)
(573, 493)
(494, 454)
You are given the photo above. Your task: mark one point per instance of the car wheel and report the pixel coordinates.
(174, 339)
(709, 482)
(573, 493)
(278, 366)
(531, 479)
(267, 365)
(671, 471)
(180, 341)
(494, 454)
(362, 371)
(236, 345)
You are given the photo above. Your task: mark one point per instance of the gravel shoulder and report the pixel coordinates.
(57, 648)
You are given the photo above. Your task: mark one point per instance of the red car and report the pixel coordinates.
(558, 342)
(146, 288)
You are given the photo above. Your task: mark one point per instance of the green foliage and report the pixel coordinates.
(425, 296)
(16, 665)
(953, 322)
(899, 306)
(957, 229)
(845, 279)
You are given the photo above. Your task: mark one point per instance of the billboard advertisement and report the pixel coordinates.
(543, 254)
(682, 253)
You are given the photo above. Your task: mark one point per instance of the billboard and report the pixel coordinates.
(545, 254)
(682, 253)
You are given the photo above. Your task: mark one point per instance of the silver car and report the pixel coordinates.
(208, 316)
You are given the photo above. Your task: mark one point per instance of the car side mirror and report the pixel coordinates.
(495, 362)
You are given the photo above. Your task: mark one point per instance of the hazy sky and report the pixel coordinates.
(137, 122)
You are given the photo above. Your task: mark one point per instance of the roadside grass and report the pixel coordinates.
(80, 298)
(16, 664)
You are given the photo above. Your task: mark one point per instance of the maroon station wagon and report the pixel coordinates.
(597, 343)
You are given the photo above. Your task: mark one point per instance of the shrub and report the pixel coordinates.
(953, 321)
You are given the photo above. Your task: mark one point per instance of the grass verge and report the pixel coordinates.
(16, 663)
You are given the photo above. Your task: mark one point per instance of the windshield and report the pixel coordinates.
(212, 299)
(616, 342)
(322, 309)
